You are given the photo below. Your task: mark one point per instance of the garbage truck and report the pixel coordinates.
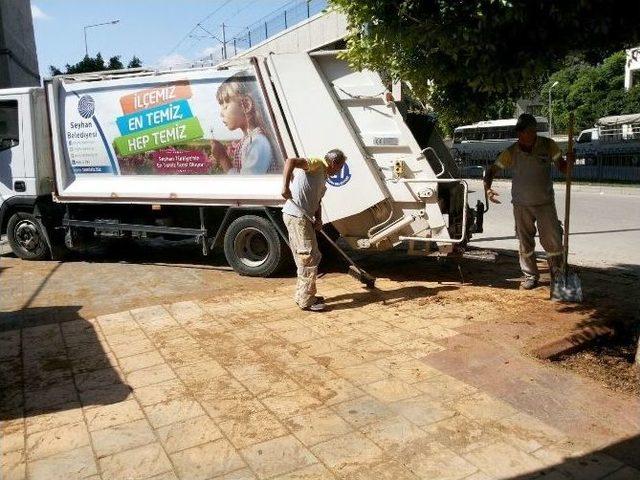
(198, 153)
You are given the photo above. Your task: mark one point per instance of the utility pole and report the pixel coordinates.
(550, 125)
(224, 41)
(86, 48)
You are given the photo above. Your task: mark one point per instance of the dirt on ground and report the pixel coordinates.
(527, 320)
(610, 361)
(508, 318)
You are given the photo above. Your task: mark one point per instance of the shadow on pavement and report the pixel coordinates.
(51, 360)
(596, 464)
(384, 297)
(396, 265)
(150, 251)
(160, 252)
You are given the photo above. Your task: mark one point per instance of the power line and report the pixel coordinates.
(274, 12)
(249, 4)
(199, 25)
(210, 34)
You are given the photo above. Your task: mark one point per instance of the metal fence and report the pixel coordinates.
(617, 168)
(274, 24)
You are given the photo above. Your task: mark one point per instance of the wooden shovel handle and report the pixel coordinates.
(567, 198)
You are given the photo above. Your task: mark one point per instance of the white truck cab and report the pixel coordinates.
(25, 152)
(26, 170)
(587, 135)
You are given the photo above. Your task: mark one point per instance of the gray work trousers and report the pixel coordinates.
(545, 218)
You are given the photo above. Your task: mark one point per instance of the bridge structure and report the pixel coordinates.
(323, 30)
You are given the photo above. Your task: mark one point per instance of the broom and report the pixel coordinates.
(355, 271)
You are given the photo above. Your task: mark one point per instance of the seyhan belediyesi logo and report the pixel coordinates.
(86, 106)
(340, 178)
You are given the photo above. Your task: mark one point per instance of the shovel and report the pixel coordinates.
(566, 286)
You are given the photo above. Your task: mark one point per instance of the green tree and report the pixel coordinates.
(590, 91)
(464, 55)
(115, 63)
(135, 62)
(94, 64)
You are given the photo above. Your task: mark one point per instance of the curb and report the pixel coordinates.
(631, 190)
(572, 342)
(4, 246)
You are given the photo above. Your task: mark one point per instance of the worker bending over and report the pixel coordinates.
(303, 187)
(531, 159)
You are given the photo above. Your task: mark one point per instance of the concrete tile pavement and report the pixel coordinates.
(246, 387)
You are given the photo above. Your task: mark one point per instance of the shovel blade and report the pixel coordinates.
(567, 288)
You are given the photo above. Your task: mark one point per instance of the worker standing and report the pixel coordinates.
(531, 159)
(304, 185)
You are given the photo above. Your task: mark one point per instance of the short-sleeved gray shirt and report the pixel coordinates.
(531, 183)
(307, 188)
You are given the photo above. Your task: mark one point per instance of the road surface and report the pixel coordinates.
(605, 228)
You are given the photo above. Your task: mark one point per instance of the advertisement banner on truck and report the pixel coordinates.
(198, 126)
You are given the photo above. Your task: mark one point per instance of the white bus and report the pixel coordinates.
(481, 142)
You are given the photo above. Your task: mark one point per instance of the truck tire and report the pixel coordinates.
(253, 247)
(26, 238)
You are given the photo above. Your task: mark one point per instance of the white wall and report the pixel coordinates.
(631, 67)
(18, 60)
(320, 30)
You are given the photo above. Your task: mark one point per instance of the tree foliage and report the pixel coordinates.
(590, 91)
(135, 62)
(461, 56)
(95, 64)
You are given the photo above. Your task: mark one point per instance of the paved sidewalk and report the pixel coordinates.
(245, 386)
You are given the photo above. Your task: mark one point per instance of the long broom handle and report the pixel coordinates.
(567, 198)
(329, 239)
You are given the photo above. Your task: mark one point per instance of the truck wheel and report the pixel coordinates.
(26, 237)
(253, 247)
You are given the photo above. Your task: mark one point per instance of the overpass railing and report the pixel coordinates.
(290, 15)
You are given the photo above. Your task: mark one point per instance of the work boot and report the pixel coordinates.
(529, 283)
(317, 306)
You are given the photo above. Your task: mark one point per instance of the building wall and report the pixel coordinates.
(18, 59)
(632, 67)
(316, 32)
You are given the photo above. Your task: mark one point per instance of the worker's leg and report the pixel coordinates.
(526, 232)
(550, 236)
(304, 247)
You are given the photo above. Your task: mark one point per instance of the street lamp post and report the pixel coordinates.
(86, 49)
(550, 125)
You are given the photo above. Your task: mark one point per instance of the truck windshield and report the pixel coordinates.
(584, 137)
(9, 126)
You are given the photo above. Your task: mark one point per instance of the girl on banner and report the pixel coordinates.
(241, 108)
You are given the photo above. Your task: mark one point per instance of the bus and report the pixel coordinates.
(610, 151)
(481, 142)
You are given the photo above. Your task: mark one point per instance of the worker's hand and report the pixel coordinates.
(492, 195)
(286, 193)
(317, 224)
